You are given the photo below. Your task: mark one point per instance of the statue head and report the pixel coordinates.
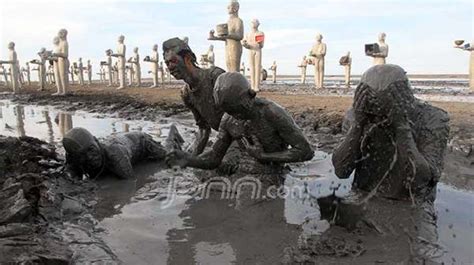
(274, 62)
(304, 57)
(88, 61)
(319, 37)
(384, 80)
(27, 63)
(233, 7)
(348, 54)
(211, 47)
(11, 45)
(186, 40)
(233, 94)
(382, 37)
(255, 24)
(56, 40)
(121, 39)
(135, 50)
(155, 47)
(80, 59)
(83, 149)
(62, 34)
(179, 58)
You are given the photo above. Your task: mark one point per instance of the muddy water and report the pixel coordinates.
(164, 217)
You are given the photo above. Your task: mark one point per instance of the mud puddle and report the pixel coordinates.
(164, 217)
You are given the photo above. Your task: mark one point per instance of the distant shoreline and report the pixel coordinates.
(434, 76)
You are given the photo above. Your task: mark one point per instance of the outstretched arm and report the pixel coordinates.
(209, 160)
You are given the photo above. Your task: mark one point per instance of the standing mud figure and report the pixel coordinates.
(263, 130)
(235, 34)
(115, 154)
(197, 93)
(396, 146)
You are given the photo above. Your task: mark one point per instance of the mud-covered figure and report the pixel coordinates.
(396, 142)
(115, 154)
(198, 91)
(263, 130)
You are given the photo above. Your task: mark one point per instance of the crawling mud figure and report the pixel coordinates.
(396, 146)
(116, 154)
(263, 130)
(197, 93)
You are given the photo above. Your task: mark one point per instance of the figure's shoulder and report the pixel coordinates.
(186, 93)
(271, 110)
(216, 71)
(433, 117)
(226, 119)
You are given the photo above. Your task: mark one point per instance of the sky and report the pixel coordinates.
(420, 33)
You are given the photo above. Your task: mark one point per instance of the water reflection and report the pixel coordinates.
(64, 121)
(20, 116)
(50, 124)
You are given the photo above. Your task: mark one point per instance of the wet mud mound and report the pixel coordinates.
(322, 128)
(43, 212)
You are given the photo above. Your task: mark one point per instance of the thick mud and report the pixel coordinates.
(44, 214)
(163, 218)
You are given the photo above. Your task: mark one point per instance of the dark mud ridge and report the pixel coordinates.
(44, 214)
(123, 106)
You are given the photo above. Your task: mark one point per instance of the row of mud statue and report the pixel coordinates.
(394, 144)
(232, 33)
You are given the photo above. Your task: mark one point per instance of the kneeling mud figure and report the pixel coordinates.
(396, 146)
(116, 154)
(263, 130)
(396, 142)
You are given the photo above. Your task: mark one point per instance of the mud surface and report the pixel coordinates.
(139, 226)
(45, 215)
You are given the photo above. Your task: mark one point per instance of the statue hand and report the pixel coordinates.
(398, 114)
(361, 98)
(177, 158)
(255, 150)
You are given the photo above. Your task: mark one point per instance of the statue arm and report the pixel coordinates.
(288, 130)
(348, 152)
(423, 160)
(213, 158)
(204, 128)
(323, 50)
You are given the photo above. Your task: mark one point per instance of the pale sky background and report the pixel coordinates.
(420, 33)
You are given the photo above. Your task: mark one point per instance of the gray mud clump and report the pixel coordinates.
(43, 212)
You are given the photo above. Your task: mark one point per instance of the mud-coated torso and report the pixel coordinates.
(200, 99)
(123, 150)
(266, 133)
